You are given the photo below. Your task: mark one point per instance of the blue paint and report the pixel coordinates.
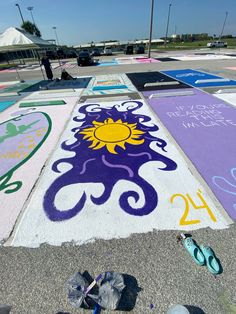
(108, 63)
(97, 309)
(107, 87)
(225, 185)
(5, 104)
(79, 82)
(190, 77)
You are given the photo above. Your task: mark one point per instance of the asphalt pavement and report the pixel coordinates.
(159, 272)
(214, 66)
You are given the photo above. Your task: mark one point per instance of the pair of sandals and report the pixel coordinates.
(202, 255)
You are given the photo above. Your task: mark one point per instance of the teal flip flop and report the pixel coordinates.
(211, 261)
(194, 251)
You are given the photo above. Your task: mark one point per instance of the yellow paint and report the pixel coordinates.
(183, 220)
(111, 133)
(188, 200)
(203, 206)
(29, 137)
(40, 132)
(15, 154)
(31, 146)
(21, 145)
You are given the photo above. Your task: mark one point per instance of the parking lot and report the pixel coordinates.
(46, 244)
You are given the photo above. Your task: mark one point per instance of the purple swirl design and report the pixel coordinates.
(142, 154)
(106, 163)
(100, 166)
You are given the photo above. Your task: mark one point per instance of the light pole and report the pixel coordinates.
(226, 15)
(17, 5)
(150, 34)
(167, 24)
(31, 9)
(55, 30)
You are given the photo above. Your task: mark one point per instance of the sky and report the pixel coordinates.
(83, 21)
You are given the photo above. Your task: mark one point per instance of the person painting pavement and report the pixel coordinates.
(47, 66)
(66, 76)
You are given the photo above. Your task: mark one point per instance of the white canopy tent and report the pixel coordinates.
(18, 37)
(20, 44)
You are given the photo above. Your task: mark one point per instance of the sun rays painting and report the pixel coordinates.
(112, 133)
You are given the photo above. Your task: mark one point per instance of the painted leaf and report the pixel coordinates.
(20, 138)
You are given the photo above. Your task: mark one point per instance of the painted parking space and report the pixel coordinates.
(114, 173)
(199, 79)
(78, 82)
(109, 84)
(145, 81)
(113, 161)
(107, 63)
(228, 96)
(204, 127)
(27, 137)
(203, 56)
(59, 89)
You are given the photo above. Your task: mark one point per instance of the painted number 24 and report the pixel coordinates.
(189, 201)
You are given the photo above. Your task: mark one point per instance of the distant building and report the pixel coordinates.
(118, 45)
(190, 37)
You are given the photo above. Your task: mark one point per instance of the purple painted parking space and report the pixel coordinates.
(204, 127)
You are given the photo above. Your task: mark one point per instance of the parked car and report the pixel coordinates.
(61, 54)
(96, 52)
(51, 54)
(107, 51)
(84, 58)
(139, 50)
(217, 44)
(129, 50)
(71, 54)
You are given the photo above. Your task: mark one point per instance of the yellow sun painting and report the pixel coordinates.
(112, 133)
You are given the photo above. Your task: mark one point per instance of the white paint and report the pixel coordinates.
(161, 83)
(172, 94)
(9, 83)
(203, 57)
(127, 60)
(226, 91)
(217, 80)
(228, 97)
(109, 220)
(53, 94)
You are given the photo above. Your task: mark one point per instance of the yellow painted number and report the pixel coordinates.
(188, 200)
